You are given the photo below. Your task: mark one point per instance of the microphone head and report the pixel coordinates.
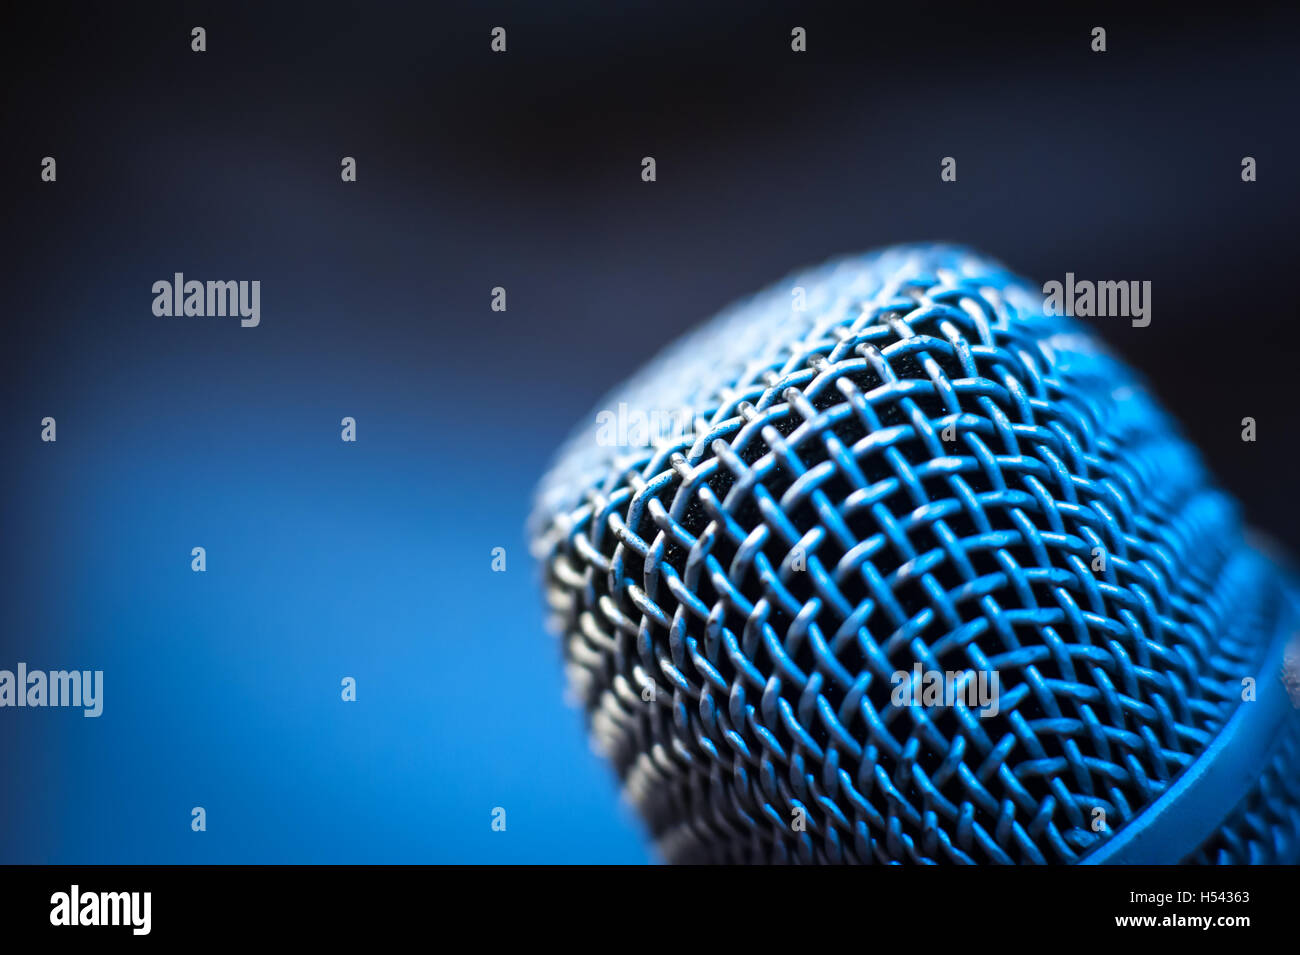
(889, 564)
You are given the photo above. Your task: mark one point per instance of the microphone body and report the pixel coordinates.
(889, 564)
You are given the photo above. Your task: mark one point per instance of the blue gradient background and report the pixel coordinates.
(372, 560)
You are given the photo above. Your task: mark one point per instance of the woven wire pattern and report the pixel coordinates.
(920, 467)
(1265, 829)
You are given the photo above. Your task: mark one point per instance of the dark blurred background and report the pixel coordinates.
(519, 170)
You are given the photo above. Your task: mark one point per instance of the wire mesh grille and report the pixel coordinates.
(917, 468)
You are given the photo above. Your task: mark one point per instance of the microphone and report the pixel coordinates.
(893, 563)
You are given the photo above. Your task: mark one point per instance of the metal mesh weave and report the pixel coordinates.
(920, 466)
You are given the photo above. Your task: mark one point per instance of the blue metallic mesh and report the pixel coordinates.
(920, 466)
(1265, 828)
